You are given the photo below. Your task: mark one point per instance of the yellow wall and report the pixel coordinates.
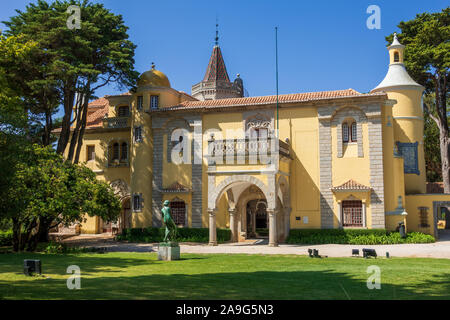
(413, 202)
(301, 126)
(410, 130)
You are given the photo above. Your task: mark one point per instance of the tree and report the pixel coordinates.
(47, 191)
(431, 143)
(427, 59)
(77, 62)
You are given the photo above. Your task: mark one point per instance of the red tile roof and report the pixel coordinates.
(264, 100)
(99, 108)
(176, 187)
(351, 185)
(216, 67)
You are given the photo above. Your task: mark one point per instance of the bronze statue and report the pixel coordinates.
(171, 228)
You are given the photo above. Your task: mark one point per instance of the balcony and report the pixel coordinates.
(116, 122)
(245, 150)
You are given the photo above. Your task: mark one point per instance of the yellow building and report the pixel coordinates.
(338, 159)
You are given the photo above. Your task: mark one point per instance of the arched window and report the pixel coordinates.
(354, 132)
(124, 152)
(396, 56)
(115, 151)
(345, 133)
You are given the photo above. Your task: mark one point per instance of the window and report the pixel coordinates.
(137, 202)
(349, 131)
(409, 152)
(396, 56)
(345, 134)
(178, 211)
(154, 102)
(124, 152)
(354, 132)
(423, 215)
(124, 111)
(115, 151)
(138, 134)
(90, 153)
(352, 213)
(140, 102)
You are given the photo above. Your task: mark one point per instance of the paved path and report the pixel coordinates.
(440, 249)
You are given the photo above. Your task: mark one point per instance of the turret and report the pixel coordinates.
(407, 117)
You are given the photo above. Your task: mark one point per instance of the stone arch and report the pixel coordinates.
(215, 195)
(121, 189)
(284, 192)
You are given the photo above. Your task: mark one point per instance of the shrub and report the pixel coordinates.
(6, 238)
(354, 236)
(183, 235)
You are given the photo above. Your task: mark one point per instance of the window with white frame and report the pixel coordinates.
(138, 134)
(154, 102)
(140, 102)
(349, 131)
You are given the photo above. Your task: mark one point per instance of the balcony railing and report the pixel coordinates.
(243, 150)
(116, 122)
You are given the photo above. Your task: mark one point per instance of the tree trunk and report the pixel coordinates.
(64, 136)
(83, 127)
(16, 235)
(445, 159)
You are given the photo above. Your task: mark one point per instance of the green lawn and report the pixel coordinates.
(142, 276)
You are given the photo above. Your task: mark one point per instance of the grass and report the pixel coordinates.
(220, 276)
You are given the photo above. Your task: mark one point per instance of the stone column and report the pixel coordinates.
(273, 237)
(212, 228)
(287, 221)
(254, 223)
(232, 212)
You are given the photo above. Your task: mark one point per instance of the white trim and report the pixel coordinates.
(408, 118)
(364, 215)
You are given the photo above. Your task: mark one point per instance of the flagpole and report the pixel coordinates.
(276, 68)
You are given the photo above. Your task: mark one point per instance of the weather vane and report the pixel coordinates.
(217, 31)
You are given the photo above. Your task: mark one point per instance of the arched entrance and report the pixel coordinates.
(257, 218)
(239, 190)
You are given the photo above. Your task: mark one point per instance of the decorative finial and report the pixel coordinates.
(217, 32)
(238, 75)
(153, 66)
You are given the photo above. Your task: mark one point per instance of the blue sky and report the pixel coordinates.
(323, 45)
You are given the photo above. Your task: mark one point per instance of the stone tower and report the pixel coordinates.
(407, 114)
(216, 84)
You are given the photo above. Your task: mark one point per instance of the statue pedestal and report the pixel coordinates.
(168, 251)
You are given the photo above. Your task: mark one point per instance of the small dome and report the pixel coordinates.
(154, 78)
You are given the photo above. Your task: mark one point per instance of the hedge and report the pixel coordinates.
(6, 238)
(183, 235)
(354, 236)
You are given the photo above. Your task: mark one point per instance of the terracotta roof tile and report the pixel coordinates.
(351, 185)
(262, 100)
(176, 187)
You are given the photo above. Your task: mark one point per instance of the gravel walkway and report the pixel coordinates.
(440, 249)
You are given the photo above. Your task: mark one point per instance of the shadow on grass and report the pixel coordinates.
(144, 277)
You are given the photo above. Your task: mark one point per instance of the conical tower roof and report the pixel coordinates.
(397, 76)
(216, 71)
